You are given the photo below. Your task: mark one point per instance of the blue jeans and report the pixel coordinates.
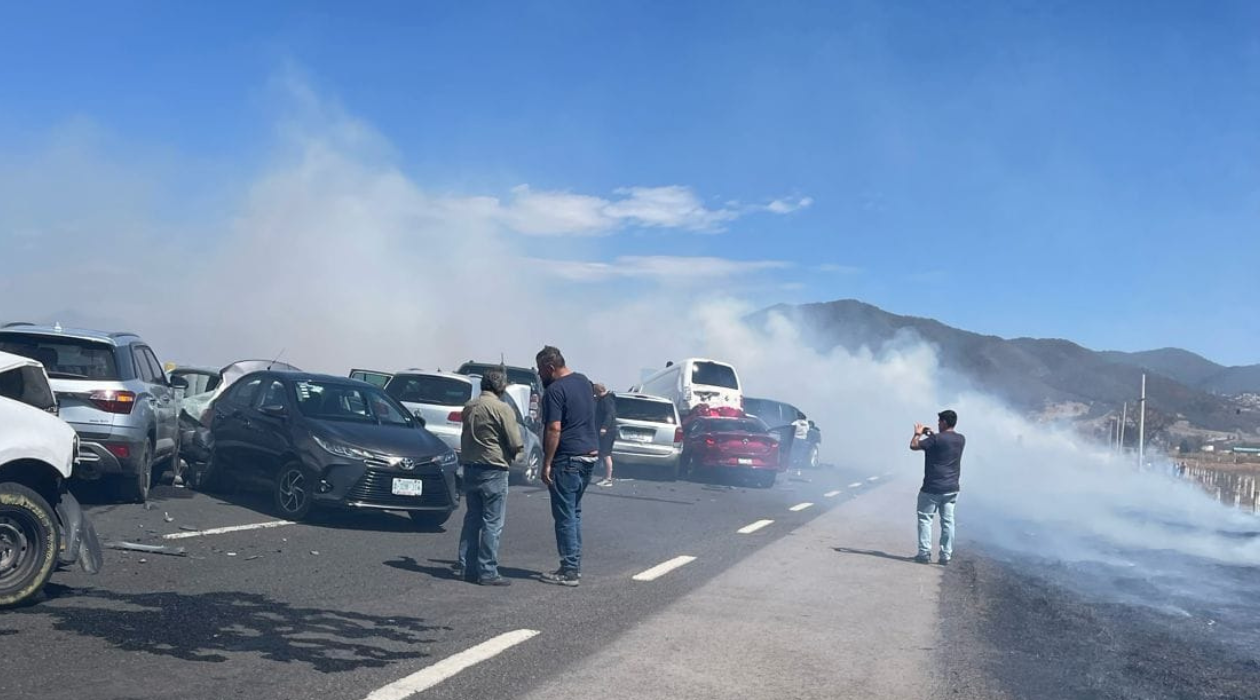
(569, 478)
(485, 493)
(929, 505)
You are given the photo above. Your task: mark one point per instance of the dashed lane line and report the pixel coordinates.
(664, 568)
(873, 478)
(800, 507)
(749, 529)
(224, 530)
(832, 494)
(428, 677)
(856, 484)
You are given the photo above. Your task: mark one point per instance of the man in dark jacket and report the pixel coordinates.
(606, 417)
(942, 467)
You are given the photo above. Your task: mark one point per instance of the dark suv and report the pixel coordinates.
(112, 390)
(316, 440)
(515, 375)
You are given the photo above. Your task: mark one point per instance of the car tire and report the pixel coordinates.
(764, 479)
(429, 519)
(136, 487)
(28, 543)
(533, 468)
(812, 460)
(294, 491)
(671, 472)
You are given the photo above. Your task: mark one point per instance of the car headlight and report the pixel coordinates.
(343, 450)
(449, 459)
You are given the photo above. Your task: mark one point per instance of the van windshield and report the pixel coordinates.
(420, 388)
(714, 374)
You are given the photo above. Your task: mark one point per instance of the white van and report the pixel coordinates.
(695, 381)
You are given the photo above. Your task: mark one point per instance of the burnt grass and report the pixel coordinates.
(1009, 634)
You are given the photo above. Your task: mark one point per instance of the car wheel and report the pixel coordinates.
(671, 472)
(532, 468)
(813, 457)
(28, 543)
(764, 480)
(140, 482)
(294, 488)
(429, 519)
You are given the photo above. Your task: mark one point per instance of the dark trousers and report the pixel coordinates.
(570, 476)
(485, 497)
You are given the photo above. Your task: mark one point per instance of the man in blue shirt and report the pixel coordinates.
(942, 468)
(570, 451)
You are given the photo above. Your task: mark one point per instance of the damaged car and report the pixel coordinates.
(41, 522)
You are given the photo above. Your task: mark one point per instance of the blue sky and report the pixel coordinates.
(1074, 170)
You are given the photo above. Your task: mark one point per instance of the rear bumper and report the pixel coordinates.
(79, 542)
(734, 464)
(645, 459)
(95, 460)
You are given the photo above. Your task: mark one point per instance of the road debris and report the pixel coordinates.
(256, 556)
(147, 548)
(231, 554)
(314, 553)
(167, 517)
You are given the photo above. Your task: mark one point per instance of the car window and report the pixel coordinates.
(27, 385)
(641, 409)
(64, 358)
(714, 374)
(323, 400)
(274, 395)
(156, 375)
(242, 395)
(143, 371)
(421, 388)
(515, 375)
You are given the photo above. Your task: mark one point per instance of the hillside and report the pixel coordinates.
(1032, 373)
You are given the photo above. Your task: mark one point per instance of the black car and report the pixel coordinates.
(515, 375)
(777, 414)
(317, 440)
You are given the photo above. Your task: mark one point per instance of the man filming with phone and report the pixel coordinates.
(942, 466)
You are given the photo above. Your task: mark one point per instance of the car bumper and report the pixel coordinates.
(95, 459)
(359, 486)
(733, 463)
(662, 460)
(79, 542)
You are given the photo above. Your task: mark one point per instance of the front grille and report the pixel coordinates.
(374, 487)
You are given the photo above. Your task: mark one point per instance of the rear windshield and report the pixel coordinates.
(346, 402)
(644, 410)
(64, 358)
(418, 388)
(734, 425)
(714, 374)
(515, 375)
(772, 412)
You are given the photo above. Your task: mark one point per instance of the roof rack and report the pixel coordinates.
(119, 334)
(15, 324)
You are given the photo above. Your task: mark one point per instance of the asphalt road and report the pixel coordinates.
(351, 603)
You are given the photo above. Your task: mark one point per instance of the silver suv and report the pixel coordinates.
(112, 390)
(649, 433)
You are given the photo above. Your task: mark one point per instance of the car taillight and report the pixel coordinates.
(456, 417)
(119, 451)
(113, 401)
(678, 435)
(710, 442)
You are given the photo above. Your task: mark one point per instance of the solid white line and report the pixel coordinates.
(873, 478)
(428, 677)
(222, 530)
(855, 485)
(832, 494)
(661, 569)
(799, 507)
(750, 529)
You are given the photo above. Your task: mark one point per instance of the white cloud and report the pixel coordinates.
(658, 267)
(838, 269)
(787, 206)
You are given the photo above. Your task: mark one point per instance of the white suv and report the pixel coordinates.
(41, 523)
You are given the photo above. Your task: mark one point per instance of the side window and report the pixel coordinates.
(143, 372)
(275, 395)
(243, 395)
(155, 367)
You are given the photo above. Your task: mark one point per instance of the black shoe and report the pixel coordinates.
(457, 571)
(496, 581)
(923, 559)
(562, 578)
(943, 561)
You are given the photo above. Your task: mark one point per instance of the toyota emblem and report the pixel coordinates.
(407, 464)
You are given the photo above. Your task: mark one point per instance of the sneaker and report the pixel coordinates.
(457, 571)
(605, 482)
(923, 559)
(562, 578)
(943, 561)
(496, 581)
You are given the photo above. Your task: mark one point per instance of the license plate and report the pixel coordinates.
(408, 487)
(745, 460)
(639, 437)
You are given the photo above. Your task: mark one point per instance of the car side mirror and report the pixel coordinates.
(178, 383)
(420, 421)
(273, 410)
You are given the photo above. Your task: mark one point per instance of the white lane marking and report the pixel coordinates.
(661, 569)
(428, 677)
(799, 507)
(222, 530)
(873, 478)
(832, 494)
(856, 484)
(749, 529)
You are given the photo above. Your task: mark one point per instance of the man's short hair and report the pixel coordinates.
(949, 417)
(599, 388)
(550, 355)
(494, 381)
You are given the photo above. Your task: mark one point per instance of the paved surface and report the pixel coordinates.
(821, 602)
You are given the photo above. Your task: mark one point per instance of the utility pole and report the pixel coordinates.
(1142, 426)
(1124, 422)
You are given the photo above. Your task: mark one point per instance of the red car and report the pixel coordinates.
(737, 443)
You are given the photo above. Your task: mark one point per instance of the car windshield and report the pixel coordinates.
(515, 375)
(714, 374)
(645, 410)
(64, 358)
(326, 400)
(734, 425)
(421, 388)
